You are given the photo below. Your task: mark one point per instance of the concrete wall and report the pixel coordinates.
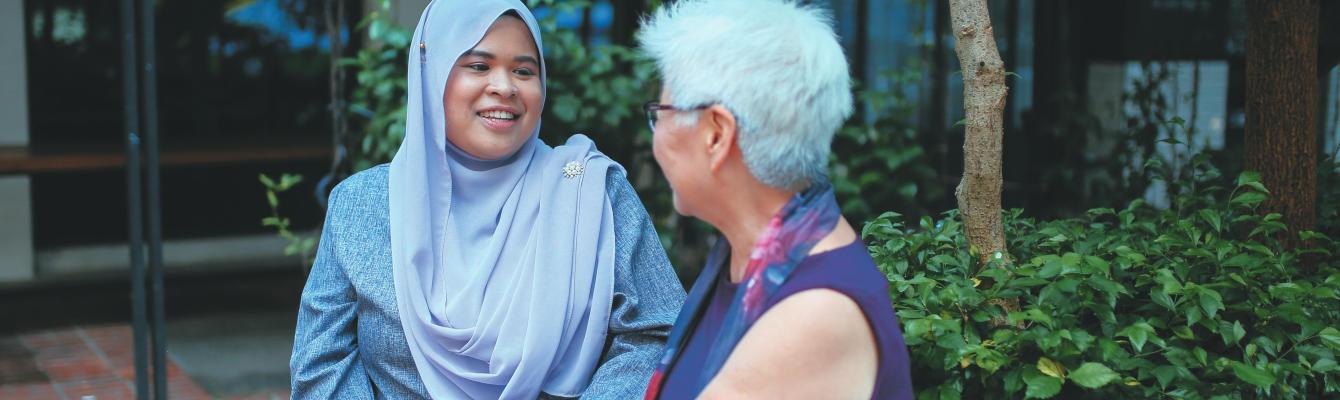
(407, 12)
(16, 229)
(16, 218)
(13, 76)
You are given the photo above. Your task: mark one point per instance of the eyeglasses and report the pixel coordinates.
(653, 107)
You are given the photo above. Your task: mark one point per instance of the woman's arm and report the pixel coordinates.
(325, 362)
(813, 344)
(647, 298)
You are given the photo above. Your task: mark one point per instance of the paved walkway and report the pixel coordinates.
(86, 362)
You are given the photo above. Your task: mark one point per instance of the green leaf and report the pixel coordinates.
(1041, 386)
(1051, 368)
(1226, 332)
(1324, 293)
(1071, 261)
(1031, 314)
(1108, 287)
(1165, 374)
(1013, 381)
(1051, 269)
(1258, 186)
(1170, 284)
(917, 327)
(1248, 199)
(1238, 278)
(1210, 301)
(1138, 333)
(1325, 365)
(265, 180)
(1253, 375)
(1248, 177)
(945, 260)
(990, 360)
(1243, 260)
(1211, 217)
(1331, 337)
(1093, 375)
(274, 201)
(1163, 299)
(288, 180)
(1238, 332)
(1184, 332)
(949, 392)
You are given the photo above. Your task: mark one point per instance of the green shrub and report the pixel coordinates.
(1195, 301)
(883, 164)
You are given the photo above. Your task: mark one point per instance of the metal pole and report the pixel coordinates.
(150, 94)
(130, 102)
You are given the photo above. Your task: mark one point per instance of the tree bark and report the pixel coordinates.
(1281, 136)
(984, 102)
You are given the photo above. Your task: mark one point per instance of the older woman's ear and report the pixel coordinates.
(722, 134)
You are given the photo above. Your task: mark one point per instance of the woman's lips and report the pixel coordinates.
(498, 120)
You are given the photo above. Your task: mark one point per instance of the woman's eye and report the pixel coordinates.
(524, 72)
(479, 67)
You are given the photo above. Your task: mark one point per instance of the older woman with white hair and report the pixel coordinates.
(790, 303)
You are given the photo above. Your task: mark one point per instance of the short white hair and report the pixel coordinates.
(775, 64)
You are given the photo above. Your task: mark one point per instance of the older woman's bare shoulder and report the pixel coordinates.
(843, 234)
(813, 344)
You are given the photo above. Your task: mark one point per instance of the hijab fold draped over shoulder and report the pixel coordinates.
(504, 268)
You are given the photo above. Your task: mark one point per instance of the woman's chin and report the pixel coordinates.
(489, 145)
(680, 206)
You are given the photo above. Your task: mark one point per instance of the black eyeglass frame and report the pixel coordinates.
(653, 107)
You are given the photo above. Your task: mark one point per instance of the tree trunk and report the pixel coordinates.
(984, 102)
(1281, 135)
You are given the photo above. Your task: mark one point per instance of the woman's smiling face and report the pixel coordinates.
(493, 97)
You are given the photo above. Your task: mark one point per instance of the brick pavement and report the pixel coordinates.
(78, 362)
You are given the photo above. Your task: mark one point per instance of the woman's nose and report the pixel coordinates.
(500, 85)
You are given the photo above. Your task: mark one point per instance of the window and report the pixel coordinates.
(243, 88)
(228, 72)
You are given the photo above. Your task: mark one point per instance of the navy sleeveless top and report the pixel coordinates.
(848, 270)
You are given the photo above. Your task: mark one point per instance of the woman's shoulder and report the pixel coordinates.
(848, 269)
(361, 195)
(818, 327)
(371, 181)
(619, 191)
(844, 275)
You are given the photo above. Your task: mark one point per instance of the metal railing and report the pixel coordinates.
(139, 88)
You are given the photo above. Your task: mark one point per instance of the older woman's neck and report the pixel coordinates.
(742, 217)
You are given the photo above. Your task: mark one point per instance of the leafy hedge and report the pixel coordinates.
(1196, 301)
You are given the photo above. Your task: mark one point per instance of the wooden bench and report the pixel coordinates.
(21, 160)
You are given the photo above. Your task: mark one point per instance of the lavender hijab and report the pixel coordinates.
(503, 268)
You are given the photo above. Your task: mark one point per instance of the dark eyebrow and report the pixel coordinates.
(490, 56)
(479, 53)
(526, 59)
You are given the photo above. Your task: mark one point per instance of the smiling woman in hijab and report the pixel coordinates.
(483, 263)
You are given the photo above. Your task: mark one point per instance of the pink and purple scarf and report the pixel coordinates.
(791, 234)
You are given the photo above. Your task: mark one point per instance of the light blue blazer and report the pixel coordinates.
(349, 343)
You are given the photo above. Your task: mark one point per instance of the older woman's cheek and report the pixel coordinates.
(660, 151)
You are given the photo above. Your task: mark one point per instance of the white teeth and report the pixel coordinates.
(498, 115)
